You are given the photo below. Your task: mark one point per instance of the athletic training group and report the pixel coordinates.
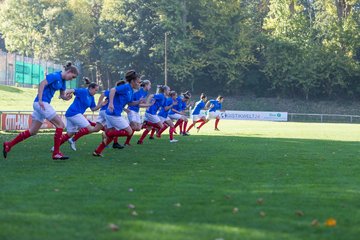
(165, 109)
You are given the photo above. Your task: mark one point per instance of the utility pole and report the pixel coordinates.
(165, 53)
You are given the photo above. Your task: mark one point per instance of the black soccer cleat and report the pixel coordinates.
(117, 145)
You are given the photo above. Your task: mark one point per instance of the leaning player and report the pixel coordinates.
(118, 98)
(214, 110)
(152, 120)
(43, 110)
(77, 125)
(197, 116)
(178, 113)
(164, 118)
(133, 110)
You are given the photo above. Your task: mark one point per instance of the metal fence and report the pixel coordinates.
(20, 71)
(323, 118)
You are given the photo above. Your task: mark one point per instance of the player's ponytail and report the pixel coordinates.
(162, 88)
(69, 67)
(119, 83)
(86, 80)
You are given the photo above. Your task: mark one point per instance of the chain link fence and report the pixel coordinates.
(20, 71)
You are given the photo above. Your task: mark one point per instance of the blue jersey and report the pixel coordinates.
(106, 94)
(177, 107)
(183, 106)
(216, 105)
(164, 113)
(55, 82)
(136, 97)
(159, 102)
(198, 106)
(123, 95)
(82, 101)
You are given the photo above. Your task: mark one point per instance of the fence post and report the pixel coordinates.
(321, 117)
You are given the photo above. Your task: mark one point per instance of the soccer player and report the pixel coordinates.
(178, 113)
(43, 110)
(133, 111)
(118, 98)
(152, 120)
(197, 116)
(214, 111)
(165, 119)
(77, 125)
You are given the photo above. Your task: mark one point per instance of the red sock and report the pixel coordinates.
(80, 133)
(129, 138)
(202, 124)
(216, 123)
(161, 130)
(185, 124)
(57, 140)
(102, 145)
(116, 133)
(116, 139)
(143, 136)
(181, 127)
(20, 137)
(171, 132)
(93, 124)
(191, 126)
(64, 138)
(152, 132)
(178, 123)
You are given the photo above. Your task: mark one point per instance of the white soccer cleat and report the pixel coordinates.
(173, 141)
(72, 144)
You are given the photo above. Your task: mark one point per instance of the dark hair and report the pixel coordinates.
(86, 80)
(186, 95)
(144, 83)
(93, 85)
(162, 88)
(121, 82)
(70, 67)
(202, 96)
(220, 97)
(131, 75)
(172, 93)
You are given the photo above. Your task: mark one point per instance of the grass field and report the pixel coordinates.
(252, 180)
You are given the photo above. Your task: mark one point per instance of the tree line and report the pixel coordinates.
(306, 49)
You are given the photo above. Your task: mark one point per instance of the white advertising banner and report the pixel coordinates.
(251, 115)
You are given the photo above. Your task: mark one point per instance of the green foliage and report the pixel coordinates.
(296, 48)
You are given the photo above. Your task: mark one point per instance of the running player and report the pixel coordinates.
(152, 120)
(43, 110)
(178, 113)
(197, 116)
(165, 119)
(118, 98)
(133, 111)
(77, 125)
(214, 111)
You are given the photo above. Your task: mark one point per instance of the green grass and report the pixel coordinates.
(188, 190)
